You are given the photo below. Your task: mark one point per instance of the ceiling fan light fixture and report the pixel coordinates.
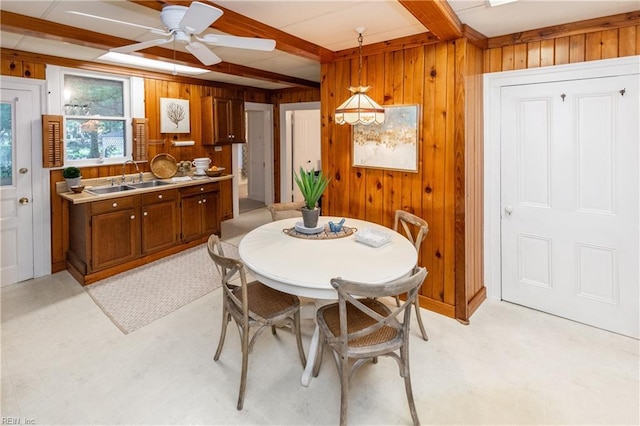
(359, 108)
(139, 61)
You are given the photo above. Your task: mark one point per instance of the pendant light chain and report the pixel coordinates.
(359, 108)
(360, 59)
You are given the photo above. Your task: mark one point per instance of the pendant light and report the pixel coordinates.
(359, 108)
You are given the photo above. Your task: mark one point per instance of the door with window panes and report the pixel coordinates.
(16, 211)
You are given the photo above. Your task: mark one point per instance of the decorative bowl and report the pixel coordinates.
(77, 189)
(215, 173)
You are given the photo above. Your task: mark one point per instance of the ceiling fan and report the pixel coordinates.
(183, 24)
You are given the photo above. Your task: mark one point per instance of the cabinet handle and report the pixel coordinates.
(204, 201)
(160, 197)
(199, 202)
(133, 216)
(201, 189)
(145, 213)
(114, 205)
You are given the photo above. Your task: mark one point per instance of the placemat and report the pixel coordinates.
(325, 234)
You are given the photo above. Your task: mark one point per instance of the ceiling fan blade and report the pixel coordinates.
(239, 42)
(153, 30)
(139, 46)
(199, 16)
(203, 53)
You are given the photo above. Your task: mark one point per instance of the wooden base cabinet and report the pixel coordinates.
(160, 221)
(108, 233)
(200, 211)
(103, 233)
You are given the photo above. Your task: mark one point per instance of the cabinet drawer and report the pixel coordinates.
(112, 205)
(200, 189)
(159, 197)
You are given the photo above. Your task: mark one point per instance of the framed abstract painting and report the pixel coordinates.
(391, 145)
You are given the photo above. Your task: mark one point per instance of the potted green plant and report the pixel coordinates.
(72, 176)
(311, 185)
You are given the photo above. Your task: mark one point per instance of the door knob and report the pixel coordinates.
(23, 170)
(23, 200)
(508, 210)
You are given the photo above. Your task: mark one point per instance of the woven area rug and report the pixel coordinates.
(140, 296)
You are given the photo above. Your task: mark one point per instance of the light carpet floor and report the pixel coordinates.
(142, 295)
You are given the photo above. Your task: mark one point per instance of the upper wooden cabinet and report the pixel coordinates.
(222, 121)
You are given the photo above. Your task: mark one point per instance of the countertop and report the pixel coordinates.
(88, 197)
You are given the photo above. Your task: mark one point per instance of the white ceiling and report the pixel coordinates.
(329, 24)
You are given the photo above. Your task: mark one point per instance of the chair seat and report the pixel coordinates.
(358, 320)
(267, 302)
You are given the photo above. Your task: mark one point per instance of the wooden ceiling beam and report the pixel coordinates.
(35, 27)
(235, 24)
(437, 16)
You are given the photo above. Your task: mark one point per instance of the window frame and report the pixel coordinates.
(55, 80)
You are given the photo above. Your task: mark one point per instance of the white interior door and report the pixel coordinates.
(16, 187)
(256, 155)
(569, 194)
(305, 144)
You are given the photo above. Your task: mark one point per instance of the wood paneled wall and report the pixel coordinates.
(434, 77)
(16, 67)
(28, 65)
(579, 45)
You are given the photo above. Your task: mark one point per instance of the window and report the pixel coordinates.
(6, 144)
(94, 118)
(97, 110)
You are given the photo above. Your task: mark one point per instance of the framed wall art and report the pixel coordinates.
(390, 145)
(174, 115)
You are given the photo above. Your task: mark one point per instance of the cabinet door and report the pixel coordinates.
(211, 213)
(221, 124)
(191, 218)
(115, 238)
(159, 226)
(206, 115)
(236, 118)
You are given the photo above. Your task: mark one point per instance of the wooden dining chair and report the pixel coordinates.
(415, 229)
(361, 327)
(285, 210)
(251, 304)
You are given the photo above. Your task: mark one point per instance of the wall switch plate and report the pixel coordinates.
(217, 148)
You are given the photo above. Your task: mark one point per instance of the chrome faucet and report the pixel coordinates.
(137, 169)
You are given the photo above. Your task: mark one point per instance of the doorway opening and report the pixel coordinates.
(253, 162)
(300, 146)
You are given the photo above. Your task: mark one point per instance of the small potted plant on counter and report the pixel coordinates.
(312, 185)
(72, 176)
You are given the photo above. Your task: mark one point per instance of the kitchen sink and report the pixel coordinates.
(110, 189)
(148, 184)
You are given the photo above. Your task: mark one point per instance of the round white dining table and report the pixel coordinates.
(305, 267)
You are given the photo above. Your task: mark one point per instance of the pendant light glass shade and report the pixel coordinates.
(359, 108)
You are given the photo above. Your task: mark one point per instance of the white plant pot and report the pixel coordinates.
(73, 182)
